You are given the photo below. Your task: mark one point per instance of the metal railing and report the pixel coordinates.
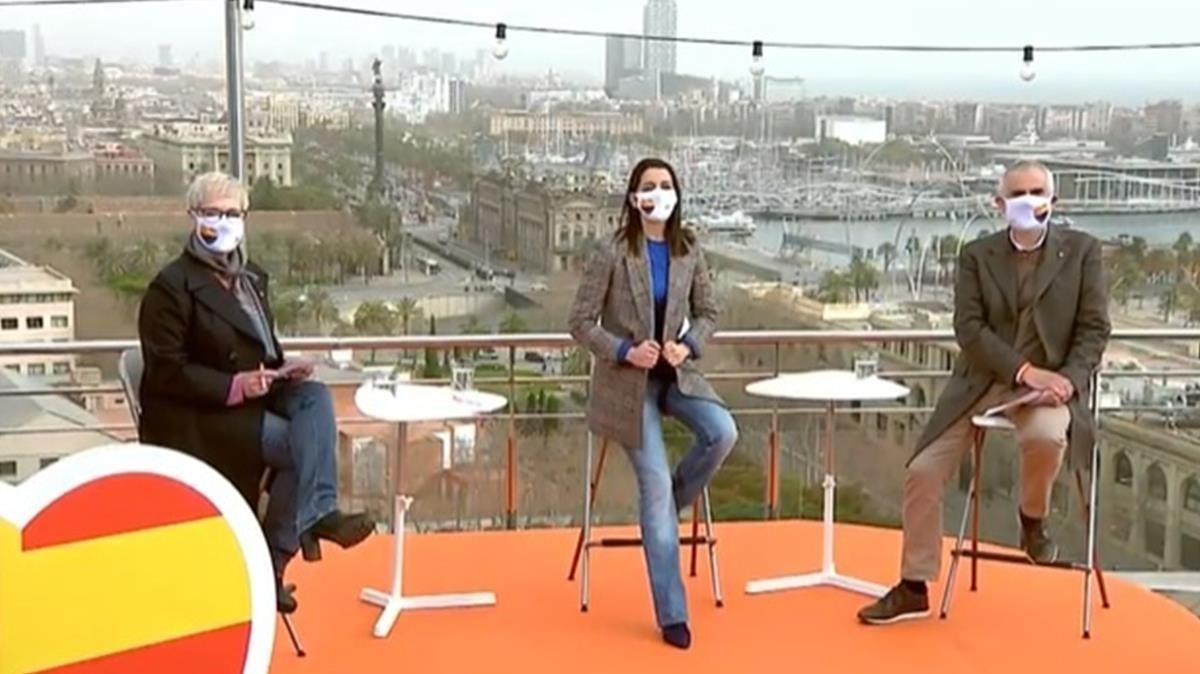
(775, 340)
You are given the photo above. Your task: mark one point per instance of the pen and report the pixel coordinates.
(262, 376)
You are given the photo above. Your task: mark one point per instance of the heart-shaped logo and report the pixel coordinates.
(130, 558)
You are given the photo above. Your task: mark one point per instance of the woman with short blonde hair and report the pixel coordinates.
(216, 384)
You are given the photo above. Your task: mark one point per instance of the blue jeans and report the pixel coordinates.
(299, 442)
(662, 494)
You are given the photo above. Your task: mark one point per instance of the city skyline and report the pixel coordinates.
(297, 36)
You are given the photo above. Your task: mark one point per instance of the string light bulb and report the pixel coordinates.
(1027, 72)
(757, 68)
(248, 15)
(500, 51)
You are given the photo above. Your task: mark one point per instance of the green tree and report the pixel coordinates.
(887, 251)
(577, 362)
(433, 369)
(541, 405)
(1184, 254)
(471, 326)
(512, 324)
(864, 278)
(288, 310)
(320, 309)
(377, 319)
(266, 196)
(835, 287)
(947, 256)
(408, 310)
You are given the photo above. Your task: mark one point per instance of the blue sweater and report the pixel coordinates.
(660, 276)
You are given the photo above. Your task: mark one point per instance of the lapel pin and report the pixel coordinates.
(1060, 255)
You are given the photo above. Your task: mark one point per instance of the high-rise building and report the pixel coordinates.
(165, 58)
(659, 18)
(39, 47)
(614, 64)
(12, 45)
(1164, 116)
(406, 59)
(450, 63)
(622, 57)
(323, 62)
(432, 58)
(457, 95)
(759, 86)
(633, 55)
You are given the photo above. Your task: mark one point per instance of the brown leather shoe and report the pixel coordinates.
(1037, 544)
(900, 603)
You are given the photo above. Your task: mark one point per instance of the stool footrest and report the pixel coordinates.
(634, 542)
(1013, 558)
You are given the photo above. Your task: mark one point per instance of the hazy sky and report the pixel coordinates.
(195, 27)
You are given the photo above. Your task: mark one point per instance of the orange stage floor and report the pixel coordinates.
(1023, 619)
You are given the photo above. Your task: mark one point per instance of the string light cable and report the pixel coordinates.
(60, 3)
(683, 39)
(500, 49)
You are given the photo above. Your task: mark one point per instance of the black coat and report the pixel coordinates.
(195, 337)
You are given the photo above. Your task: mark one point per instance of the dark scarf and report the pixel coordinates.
(232, 269)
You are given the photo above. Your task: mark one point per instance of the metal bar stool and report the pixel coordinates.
(981, 426)
(584, 544)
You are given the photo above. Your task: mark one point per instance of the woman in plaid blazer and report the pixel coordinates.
(645, 309)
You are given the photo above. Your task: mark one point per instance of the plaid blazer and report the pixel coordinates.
(613, 304)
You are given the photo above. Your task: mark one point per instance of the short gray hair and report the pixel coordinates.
(215, 185)
(1027, 165)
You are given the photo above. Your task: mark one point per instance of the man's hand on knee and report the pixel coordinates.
(1045, 380)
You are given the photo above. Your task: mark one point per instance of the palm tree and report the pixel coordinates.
(864, 278)
(408, 310)
(287, 309)
(320, 308)
(947, 255)
(1184, 254)
(835, 287)
(471, 326)
(887, 251)
(376, 319)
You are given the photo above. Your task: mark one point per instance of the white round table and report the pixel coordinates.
(829, 387)
(403, 404)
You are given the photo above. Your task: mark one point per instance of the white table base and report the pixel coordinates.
(394, 602)
(828, 575)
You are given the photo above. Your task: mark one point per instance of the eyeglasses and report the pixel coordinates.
(218, 213)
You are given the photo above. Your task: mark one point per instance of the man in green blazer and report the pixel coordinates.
(1030, 312)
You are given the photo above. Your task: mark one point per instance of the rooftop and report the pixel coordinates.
(18, 275)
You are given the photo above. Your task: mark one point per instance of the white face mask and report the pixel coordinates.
(1027, 212)
(655, 205)
(220, 234)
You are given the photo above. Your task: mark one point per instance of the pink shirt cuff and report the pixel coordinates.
(236, 391)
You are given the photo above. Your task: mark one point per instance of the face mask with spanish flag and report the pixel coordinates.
(220, 234)
(1027, 212)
